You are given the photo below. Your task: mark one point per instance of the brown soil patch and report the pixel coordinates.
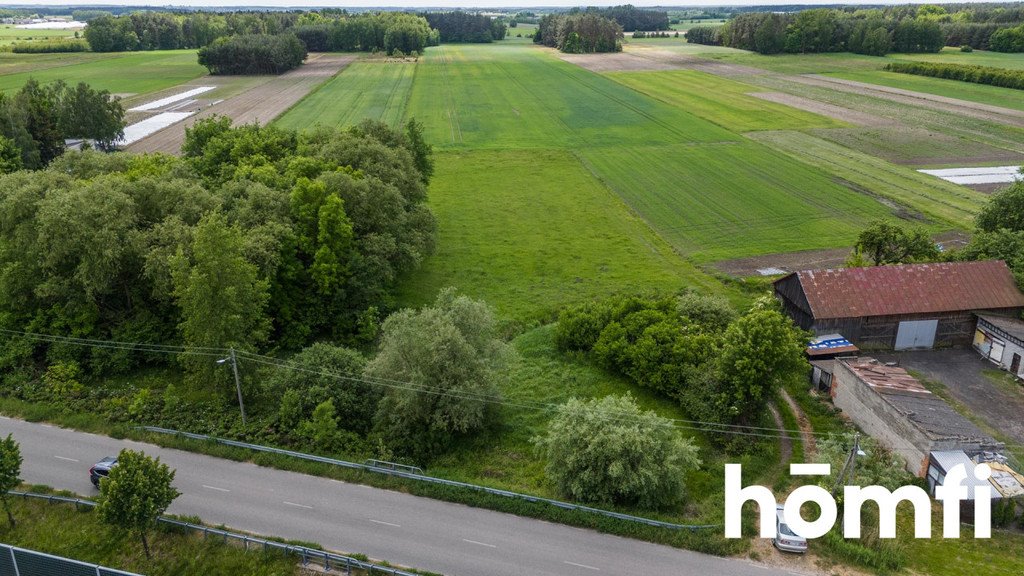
(963, 107)
(617, 62)
(812, 259)
(831, 111)
(261, 103)
(690, 62)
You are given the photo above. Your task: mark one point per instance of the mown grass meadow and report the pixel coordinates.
(121, 73)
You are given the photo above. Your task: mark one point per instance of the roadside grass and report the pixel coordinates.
(982, 93)
(530, 232)
(125, 73)
(722, 101)
(714, 202)
(917, 146)
(966, 556)
(366, 89)
(514, 96)
(944, 203)
(63, 530)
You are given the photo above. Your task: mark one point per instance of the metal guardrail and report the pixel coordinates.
(22, 562)
(328, 560)
(431, 479)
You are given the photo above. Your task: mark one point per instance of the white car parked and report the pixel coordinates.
(785, 539)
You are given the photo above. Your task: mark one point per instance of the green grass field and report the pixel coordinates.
(531, 231)
(122, 73)
(687, 24)
(994, 95)
(516, 96)
(374, 89)
(62, 530)
(917, 146)
(10, 35)
(722, 101)
(950, 55)
(936, 199)
(732, 200)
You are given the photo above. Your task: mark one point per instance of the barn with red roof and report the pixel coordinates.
(900, 307)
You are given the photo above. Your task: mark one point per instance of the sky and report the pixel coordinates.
(456, 4)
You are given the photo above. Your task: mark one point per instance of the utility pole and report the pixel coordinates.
(851, 464)
(238, 382)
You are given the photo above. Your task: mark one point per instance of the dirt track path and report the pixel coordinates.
(261, 103)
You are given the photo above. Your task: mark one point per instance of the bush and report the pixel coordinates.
(1002, 77)
(608, 451)
(966, 48)
(251, 54)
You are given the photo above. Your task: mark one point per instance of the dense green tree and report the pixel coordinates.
(87, 113)
(221, 298)
(608, 451)
(759, 352)
(42, 110)
(770, 36)
(422, 151)
(440, 367)
(1005, 210)
(325, 372)
(883, 243)
(10, 470)
(10, 156)
(135, 493)
(251, 54)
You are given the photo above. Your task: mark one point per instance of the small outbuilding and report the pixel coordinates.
(895, 409)
(902, 307)
(1001, 340)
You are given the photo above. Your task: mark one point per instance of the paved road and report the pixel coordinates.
(448, 538)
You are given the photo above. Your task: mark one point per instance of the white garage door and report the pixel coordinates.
(916, 334)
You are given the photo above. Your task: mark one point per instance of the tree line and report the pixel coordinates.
(1003, 77)
(579, 33)
(253, 54)
(391, 32)
(35, 121)
(630, 17)
(876, 31)
(459, 26)
(327, 30)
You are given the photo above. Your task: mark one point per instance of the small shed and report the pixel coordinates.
(900, 307)
(941, 462)
(1001, 340)
(821, 351)
(894, 408)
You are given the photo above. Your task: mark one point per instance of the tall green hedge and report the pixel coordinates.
(1002, 77)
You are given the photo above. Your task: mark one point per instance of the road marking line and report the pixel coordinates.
(298, 505)
(479, 543)
(384, 523)
(217, 489)
(63, 458)
(582, 566)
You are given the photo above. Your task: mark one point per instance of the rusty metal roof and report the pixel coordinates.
(909, 289)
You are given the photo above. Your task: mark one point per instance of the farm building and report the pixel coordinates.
(897, 410)
(1001, 340)
(900, 307)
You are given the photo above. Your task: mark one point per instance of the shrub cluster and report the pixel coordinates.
(253, 54)
(1002, 77)
(694, 349)
(632, 18)
(1008, 39)
(390, 32)
(708, 35)
(579, 33)
(50, 47)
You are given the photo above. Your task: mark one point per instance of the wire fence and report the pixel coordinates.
(322, 558)
(16, 561)
(390, 469)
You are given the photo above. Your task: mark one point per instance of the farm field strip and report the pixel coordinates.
(940, 201)
(366, 89)
(523, 97)
(1001, 98)
(261, 103)
(718, 202)
(725, 102)
(910, 145)
(123, 73)
(531, 231)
